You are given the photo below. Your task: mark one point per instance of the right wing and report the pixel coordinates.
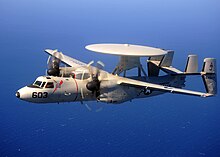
(141, 84)
(65, 59)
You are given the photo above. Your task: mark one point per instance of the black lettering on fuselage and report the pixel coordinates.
(39, 95)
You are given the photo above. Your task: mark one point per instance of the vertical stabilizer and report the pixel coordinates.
(167, 59)
(209, 75)
(155, 63)
(192, 64)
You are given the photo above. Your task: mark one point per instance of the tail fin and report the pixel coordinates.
(167, 59)
(155, 63)
(209, 75)
(192, 64)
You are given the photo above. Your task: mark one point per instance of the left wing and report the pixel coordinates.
(140, 84)
(65, 59)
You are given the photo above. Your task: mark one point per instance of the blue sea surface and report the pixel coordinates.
(168, 125)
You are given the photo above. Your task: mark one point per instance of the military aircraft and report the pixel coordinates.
(78, 81)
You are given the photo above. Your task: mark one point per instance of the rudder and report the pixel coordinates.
(209, 75)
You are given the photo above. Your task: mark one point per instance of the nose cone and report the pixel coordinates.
(24, 94)
(17, 94)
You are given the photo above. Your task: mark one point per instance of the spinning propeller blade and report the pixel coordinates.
(53, 63)
(94, 84)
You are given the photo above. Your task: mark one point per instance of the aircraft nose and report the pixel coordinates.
(23, 93)
(17, 94)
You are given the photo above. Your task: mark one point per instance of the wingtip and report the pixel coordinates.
(51, 50)
(48, 50)
(207, 95)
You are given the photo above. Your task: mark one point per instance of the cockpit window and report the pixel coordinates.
(49, 85)
(42, 85)
(37, 83)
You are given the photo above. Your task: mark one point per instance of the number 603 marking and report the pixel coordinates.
(39, 95)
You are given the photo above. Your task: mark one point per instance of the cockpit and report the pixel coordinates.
(42, 82)
(47, 81)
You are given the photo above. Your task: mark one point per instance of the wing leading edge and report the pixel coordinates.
(65, 59)
(140, 84)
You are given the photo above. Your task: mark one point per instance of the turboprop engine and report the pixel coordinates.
(54, 68)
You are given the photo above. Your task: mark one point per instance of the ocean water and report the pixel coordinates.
(167, 125)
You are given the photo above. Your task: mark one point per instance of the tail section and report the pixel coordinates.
(192, 64)
(167, 59)
(157, 62)
(209, 75)
(153, 65)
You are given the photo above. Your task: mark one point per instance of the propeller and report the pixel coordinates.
(94, 108)
(53, 64)
(94, 84)
(91, 109)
